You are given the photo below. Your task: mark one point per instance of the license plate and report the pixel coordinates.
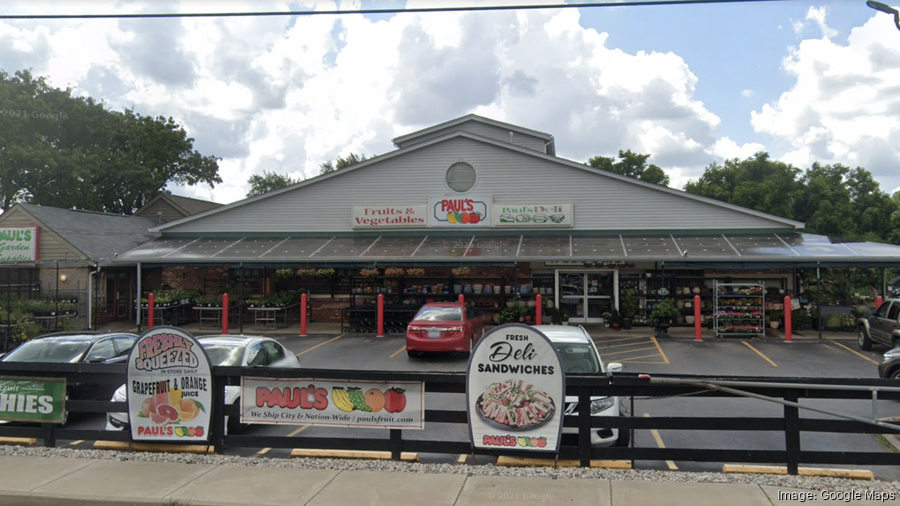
(434, 333)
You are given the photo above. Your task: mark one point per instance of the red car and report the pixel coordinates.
(444, 326)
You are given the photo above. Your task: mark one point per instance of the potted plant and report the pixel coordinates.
(462, 272)
(394, 272)
(607, 316)
(627, 308)
(306, 273)
(565, 317)
(663, 315)
(415, 272)
(775, 317)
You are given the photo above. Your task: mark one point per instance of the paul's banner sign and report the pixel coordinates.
(515, 391)
(364, 404)
(40, 400)
(168, 384)
(18, 244)
(460, 212)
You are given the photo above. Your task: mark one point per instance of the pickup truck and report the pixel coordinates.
(882, 326)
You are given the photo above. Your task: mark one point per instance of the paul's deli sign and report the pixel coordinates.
(168, 385)
(459, 212)
(18, 244)
(366, 404)
(533, 215)
(388, 216)
(515, 391)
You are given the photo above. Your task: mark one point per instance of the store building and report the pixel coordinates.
(479, 193)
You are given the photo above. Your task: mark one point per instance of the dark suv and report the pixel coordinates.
(882, 326)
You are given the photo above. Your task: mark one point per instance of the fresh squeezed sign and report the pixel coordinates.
(384, 405)
(169, 387)
(18, 244)
(470, 211)
(537, 215)
(515, 391)
(32, 399)
(388, 216)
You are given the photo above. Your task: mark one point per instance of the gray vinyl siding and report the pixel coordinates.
(600, 202)
(50, 246)
(490, 131)
(169, 213)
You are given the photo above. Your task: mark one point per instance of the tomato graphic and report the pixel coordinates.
(394, 400)
(474, 218)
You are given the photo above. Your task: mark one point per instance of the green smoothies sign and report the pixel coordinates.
(41, 400)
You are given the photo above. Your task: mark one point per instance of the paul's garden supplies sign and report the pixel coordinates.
(533, 215)
(169, 387)
(40, 400)
(18, 244)
(460, 212)
(515, 391)
(388, 405)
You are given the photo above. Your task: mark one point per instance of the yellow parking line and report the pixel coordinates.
(398, 352)
(860, 355)
(319, 345)
(292, 434)
(75, 443)
(661, 352)
(642, 356)
(619, 345)
(760, 354)
(629, 361)
(659, 442)
(617, 340)
(626, 351)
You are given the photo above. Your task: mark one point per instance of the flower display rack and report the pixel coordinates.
(740, 309)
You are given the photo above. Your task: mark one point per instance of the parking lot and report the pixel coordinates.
(639, 352)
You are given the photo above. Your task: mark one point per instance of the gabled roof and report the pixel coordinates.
(185, 205)
(345, 172)
(97, 235)
(474, 117)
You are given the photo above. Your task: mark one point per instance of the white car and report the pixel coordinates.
(228, 351)
(578, 354)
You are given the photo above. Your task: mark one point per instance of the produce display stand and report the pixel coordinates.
(740, 309)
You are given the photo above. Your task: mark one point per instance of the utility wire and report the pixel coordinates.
(377, 11)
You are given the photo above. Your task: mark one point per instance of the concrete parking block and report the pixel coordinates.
(18, 441)
(112, 480)
(782, 496)
(361, 488)
(687, 494)
(154, 447)
(828, 472)
(352, 454)
(500, 490)
(21, 474)
(259, 486)
(533, 462)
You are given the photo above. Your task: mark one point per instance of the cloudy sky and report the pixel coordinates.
(688, 84)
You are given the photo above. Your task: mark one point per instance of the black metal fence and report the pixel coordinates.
(626, 386)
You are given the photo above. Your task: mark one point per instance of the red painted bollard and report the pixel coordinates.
(380, 315)
(878, 301)
(697, 319)
(538, 308)
(462, 299)
(303, 315)
(788, 331)
(224, 313)
(151, 308)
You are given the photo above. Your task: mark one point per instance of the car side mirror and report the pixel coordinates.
(613, 367)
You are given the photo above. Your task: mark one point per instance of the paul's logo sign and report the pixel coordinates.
(460, 211)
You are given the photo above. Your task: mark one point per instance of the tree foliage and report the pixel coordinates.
(60, 150)
(267, 182)
(340, 163)
(632, 165)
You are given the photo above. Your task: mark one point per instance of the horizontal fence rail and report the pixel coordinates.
(625, 386)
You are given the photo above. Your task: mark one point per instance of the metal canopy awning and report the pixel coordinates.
(782, 248)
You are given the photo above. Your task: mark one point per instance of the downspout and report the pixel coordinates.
(137, 300)
(90, 301)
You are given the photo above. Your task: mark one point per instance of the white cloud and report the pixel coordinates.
(748, 93)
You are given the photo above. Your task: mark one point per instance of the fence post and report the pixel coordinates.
(151, 308)
(224, 313)
(584, 426)
(792, 433)
(396, 443)
(303, 315)
(538, 307)
(788, 322)
(697, 319)
(217, 416)
(380, 316)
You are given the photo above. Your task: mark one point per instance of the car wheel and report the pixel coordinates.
(234, 425)
(865, 343)
(895, 374)
(624, 438)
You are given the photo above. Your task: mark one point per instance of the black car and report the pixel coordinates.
(77, 347)
(890, 365)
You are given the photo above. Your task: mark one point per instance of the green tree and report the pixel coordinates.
(72, 152)
(632, 165)
(267, 182)
(340, 163)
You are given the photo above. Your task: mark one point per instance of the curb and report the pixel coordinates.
(853, 474)
(148, 447)
(531, 462)
(352, 454)
(18, 441)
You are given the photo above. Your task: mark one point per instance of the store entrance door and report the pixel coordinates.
(586, 295)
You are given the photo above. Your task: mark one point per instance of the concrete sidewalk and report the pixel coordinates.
(39, 481)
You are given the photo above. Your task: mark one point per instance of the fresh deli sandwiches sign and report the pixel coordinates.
(169, 387)
(389, 216)
(541, 215)
(460, 212)
(18, 244)
(515, 391)
(40, 400)
(363, 404)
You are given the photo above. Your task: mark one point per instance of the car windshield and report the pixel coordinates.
(227, 355)
(48, 351)
(439, 314)
(578, 358)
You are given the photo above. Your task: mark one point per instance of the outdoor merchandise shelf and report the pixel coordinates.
(740, 309)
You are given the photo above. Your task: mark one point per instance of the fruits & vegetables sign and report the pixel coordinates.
(32, 399)
(386, 405)
(515, 391)
(168, 384)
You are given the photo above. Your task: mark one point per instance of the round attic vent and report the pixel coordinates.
(461, 177)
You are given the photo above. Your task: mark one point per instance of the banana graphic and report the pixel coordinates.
(341, 399)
